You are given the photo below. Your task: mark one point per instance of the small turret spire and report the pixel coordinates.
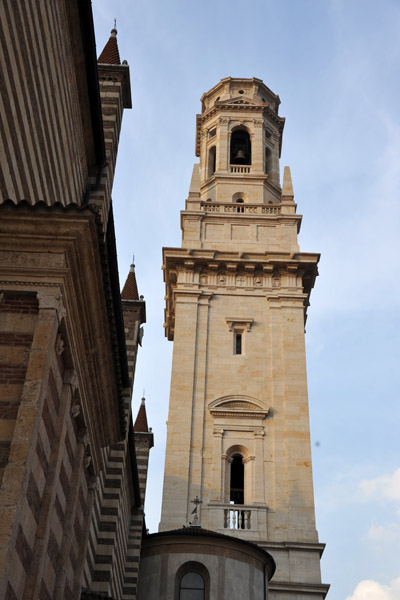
(141, 425)
(130, 290)
(110, 54)
(287, 186)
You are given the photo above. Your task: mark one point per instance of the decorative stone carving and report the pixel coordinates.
(94, 483)
(59, 344)
(238, 406)
(140, 335)
(83, 436)
(52, 299)
(37, 260)
(71, 377)
(76, 410)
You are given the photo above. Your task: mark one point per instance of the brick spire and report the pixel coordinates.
(141, 425)
(110, 54)
(130, 291)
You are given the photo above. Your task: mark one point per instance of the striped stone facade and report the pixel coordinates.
(71, 506)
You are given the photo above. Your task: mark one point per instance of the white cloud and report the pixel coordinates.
(372, 590)
(384, 533)
(386, 487)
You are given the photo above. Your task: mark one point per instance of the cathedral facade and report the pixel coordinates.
(71, 492)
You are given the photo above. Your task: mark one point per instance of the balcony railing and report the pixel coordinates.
(240, 169)
(239, 519)
(236, 518)
(236, 207)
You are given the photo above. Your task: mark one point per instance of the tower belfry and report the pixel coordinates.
(237, 293)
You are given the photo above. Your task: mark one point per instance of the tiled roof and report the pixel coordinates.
(110, 54)
(141, 425)
(130, 291)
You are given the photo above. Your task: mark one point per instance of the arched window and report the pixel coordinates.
(237, 479)
(240, 147)
(192, 582)
(212, 161)
(192, 586)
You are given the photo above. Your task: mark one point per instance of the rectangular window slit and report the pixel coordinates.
(238, 343)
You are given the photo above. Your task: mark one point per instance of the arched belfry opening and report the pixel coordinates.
(212, 161)
(237, 480)
(240, 148)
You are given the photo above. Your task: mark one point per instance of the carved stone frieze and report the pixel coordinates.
(37, 259)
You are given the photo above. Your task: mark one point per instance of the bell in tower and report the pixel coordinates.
(240, 147)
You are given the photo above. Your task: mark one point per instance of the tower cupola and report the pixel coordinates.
(239, 138)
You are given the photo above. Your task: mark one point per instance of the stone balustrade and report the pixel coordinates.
(236, 207)
(248, 519)
(237, 518)
(240, 169)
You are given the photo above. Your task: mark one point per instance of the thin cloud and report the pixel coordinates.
(385, 487)
(373, 590)
(384, 533)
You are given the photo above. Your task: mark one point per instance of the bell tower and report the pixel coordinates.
(237, 293)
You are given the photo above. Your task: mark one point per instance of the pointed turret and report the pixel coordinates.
(110, 53)
(115, 96)
(134, 311)
(144, 440)
(141, 425)
(130, 290)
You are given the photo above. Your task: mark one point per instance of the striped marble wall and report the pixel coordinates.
(41, 126)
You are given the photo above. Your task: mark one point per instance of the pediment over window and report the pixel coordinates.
(240, 101)
(238, 406)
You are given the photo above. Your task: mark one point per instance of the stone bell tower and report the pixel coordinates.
(236, 303)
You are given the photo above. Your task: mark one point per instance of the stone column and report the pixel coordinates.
(274, 174)
(179, 432)
(259, 481)
(257, 148)
(217, 467)
(222, 146)
(199, 405)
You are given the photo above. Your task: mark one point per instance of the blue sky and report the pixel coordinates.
(335, 65)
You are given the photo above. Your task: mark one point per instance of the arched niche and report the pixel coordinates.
(240, 147)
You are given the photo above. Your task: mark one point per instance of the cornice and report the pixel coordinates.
(198, 256)
(279, 276)
(299, 587)
(66, 250)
